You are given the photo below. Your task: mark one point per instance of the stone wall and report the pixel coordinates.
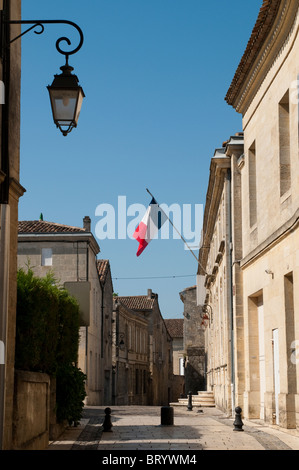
(193, 343)
(31, 415)
(270, 244)
(178, 387)
(178, 354)
(195, 370)
(10, 147)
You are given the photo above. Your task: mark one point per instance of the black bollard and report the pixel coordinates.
(190, 401)
(166, 416)
(107, 425)
(238, 423)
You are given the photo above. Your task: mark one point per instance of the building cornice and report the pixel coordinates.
(16, 188)
(235, 146)
(271, 241)
(131, 315)
(60, 237)
(270, 35)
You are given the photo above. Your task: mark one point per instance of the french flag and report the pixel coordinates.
(149, 226)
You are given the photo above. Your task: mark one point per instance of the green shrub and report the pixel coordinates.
(68, 329)
(70, 393)
(37, 323)
(47, 339)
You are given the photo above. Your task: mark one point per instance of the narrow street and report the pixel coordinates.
(139, 428)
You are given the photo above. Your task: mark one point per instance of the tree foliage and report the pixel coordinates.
(47, 338)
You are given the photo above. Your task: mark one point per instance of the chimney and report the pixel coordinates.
(149, 293)
(86, 223)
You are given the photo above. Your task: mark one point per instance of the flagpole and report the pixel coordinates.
(177, 232)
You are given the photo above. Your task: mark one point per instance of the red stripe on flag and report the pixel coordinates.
(142, 245)
(139, 235)
(140, 232)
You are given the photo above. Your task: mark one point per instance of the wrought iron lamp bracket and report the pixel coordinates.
(40, 24)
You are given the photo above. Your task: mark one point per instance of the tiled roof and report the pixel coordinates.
(41, 226)
(138, 302)
(102, 267)
(265, 20)
(175, 327)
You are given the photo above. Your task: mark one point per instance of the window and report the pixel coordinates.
(130, 337)
(46, 256)
(136, 340)
(284, 144)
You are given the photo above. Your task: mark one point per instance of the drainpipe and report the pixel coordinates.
(230, 286)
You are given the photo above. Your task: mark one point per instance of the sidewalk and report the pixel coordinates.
(139, 428)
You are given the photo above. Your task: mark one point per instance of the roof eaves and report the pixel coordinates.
(262, 27)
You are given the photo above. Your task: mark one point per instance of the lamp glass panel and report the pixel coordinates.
(80, 101)
(64, 104)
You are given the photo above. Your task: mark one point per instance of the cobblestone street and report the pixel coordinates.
(139, 428)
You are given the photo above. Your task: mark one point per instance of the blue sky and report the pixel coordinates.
(155, 74)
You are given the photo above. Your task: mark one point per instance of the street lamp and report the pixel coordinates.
(66, 95)
(66, 98)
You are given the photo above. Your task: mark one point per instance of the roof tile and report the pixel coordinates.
(41, 226)
(138, 302)
(264, 22)
(175, 327)
(102, 267)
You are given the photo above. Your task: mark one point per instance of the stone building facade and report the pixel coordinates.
(10, 192)
(70, 254)
(175, 327)
(264, 91)
(130, 356)
(106, 307)
(221, 247)
(194, 350)
(159, 347)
